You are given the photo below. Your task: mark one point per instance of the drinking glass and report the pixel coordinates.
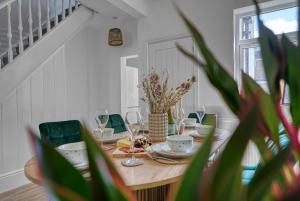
(101, 119)
(200, 113)
(178, 115)
(133, 123)
(143, 115)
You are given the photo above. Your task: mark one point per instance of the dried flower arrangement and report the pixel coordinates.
(157, 94)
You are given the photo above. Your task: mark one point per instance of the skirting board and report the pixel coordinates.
(12, 180)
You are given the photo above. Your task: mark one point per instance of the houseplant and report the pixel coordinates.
(160, 99)
(259, 113)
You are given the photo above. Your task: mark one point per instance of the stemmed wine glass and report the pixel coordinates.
(178, 115)
(200, 113)
(133, 122)
(143, 115)
(101, 119)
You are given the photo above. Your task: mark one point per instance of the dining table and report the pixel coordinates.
(152, 181)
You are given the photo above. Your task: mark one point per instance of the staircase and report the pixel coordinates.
(23, 23)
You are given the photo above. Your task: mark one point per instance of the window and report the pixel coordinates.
(280, 16)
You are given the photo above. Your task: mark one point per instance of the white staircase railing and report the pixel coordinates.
(54, 15)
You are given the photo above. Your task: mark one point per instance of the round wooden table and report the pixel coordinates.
(150, 181)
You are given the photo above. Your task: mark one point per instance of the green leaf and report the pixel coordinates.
(270, 119)
(292, 77)
(215, 72)
(272, 57)
(58, 171)
(228, 173)
(260, 184)
(190, 183)
(106, 182)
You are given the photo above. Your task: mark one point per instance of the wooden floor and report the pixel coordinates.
(28, 192)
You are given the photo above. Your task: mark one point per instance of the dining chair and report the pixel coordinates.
(61, 132)
(249, 170)
(116, 122)
(208, 119)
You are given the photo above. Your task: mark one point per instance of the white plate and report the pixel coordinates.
(113, 138)
(218, 132)
(190, 125)
(164, 150)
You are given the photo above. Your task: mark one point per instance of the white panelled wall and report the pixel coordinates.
(58, 89)
(41, 97)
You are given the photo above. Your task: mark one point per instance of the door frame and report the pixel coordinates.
(123, 60)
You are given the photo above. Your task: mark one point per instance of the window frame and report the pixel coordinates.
(240, 44)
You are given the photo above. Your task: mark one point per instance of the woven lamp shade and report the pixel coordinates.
(115, 37)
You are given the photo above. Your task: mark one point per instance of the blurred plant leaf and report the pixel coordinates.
(216, 73)
(270, 119)
(260, 184)
(227, 179)
(271, 52)
(195, 170)
(59, 172)
(106, 182)
(292, 77)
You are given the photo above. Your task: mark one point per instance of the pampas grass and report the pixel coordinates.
(158, 95)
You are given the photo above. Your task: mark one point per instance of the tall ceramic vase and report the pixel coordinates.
(158, 127)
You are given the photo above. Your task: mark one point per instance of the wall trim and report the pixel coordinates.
(13, 179)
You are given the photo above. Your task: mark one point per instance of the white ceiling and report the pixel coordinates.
(122, 9)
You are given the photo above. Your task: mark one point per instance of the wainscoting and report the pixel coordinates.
(41, 97)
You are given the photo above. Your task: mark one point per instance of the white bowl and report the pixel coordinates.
(190, 121)
(180, 143)
(74, 152)
(204, 129)
(107, 133)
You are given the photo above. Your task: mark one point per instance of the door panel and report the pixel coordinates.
(164, 55)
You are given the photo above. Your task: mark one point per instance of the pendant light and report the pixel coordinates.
(115, 36)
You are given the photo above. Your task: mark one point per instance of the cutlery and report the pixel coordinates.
(159, 158)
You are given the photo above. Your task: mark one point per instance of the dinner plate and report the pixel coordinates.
(111, 139)
(195, 133)
(164, 150)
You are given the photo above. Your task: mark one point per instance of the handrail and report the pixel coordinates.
(27, 40)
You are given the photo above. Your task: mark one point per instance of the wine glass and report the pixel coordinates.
(143, 115)
(101, 119)
(178, 115)
(133, 123)
(200, 113)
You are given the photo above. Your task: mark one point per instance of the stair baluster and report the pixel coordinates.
(28, 38)
(30, 24)
(70, 7)
(48, 16)
(55, 13)
(63, 9)
(20, 27)
(39, 20)
(9, 34)
(76, 4)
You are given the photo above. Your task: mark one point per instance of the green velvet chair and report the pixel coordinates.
(208, 119)
(62, 132)
(249, 170)
(116, 122)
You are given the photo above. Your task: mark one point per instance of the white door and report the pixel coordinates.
(164, 55)
(129, 84)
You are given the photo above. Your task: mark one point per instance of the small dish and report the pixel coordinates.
(180, 143)
(190, 122)
(204, 129)
(74, 152)
(164, 150)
